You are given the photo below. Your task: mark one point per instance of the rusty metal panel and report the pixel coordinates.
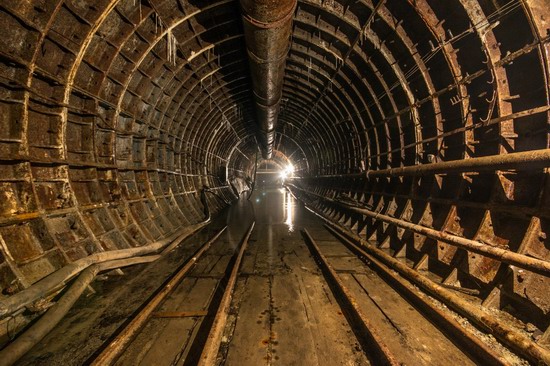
(32, 249)
(16, 192)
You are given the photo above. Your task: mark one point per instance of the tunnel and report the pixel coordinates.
(274, 182)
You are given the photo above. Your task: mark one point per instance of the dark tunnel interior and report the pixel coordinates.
(419, 126)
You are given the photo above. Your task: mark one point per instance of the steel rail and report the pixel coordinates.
(506, 334)
(469, 343)
(372, 342)
(214, 339)
(115, 348)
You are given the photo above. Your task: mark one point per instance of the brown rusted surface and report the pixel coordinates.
(267, 29)
(179, 314)
(116, 347)
(115, 114)
(474, 346)
(212, 345)
(491, 251)
(374, 343)
(507, 334)
(528, 160)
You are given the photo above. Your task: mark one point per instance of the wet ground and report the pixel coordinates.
(282, 313)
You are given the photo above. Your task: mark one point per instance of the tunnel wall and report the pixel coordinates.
(98, 151)
(389, 84)
(114, 114)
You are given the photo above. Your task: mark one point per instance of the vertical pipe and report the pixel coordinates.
(267, 27)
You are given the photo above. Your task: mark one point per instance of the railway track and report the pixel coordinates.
(121, 349)
(395, 324)
(322, 300)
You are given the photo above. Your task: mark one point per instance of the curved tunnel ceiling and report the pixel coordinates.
(115, 114)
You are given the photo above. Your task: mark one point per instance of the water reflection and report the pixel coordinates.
(239, 217)
(288, 209)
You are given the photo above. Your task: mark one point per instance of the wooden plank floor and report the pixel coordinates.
(412, 336)
(286, 314)
(282, 311)
(164, 340)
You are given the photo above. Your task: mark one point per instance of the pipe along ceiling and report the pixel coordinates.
(427, 119)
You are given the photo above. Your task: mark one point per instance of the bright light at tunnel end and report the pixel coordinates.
(287, 172)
